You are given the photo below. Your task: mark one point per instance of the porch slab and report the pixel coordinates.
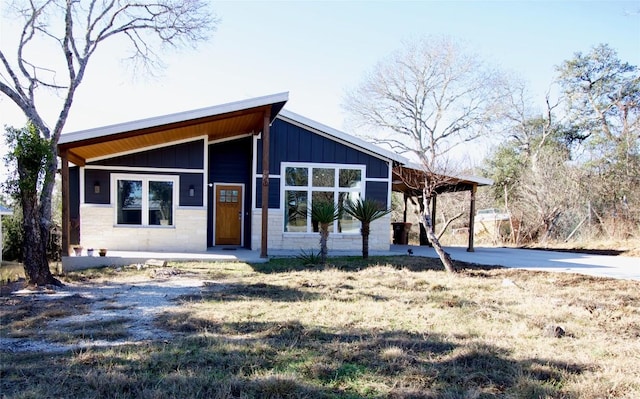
(126, 258)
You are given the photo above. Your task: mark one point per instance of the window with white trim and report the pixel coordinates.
(143, 200)
(304, 184)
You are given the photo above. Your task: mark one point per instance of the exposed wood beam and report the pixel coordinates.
(404, 214)
(65, 203)
(265, 184)
(77, 160)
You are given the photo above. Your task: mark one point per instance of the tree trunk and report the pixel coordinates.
(36, 222)
(366, 229)
(36, 236)
(324, 237)
(514, 238)
(446, 260)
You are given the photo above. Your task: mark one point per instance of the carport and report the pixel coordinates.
(410, 181)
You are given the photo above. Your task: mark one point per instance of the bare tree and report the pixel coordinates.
(547, 193)
(453, 208)
(76, 29)
(531, 169)
(424, 101)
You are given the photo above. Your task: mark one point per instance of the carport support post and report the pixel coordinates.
(404, 214)
(472, 214)
(433, 212)
(65, 203)
(265, 185)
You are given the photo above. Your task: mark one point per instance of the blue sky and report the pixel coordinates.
(318, 50)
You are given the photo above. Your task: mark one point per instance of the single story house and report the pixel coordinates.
(241, 174)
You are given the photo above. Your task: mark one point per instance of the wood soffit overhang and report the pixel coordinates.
(218, 127)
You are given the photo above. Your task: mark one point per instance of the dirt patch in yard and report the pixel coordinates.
(92, 313)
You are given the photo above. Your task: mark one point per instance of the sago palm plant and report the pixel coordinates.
(366, 211)
(324, 213)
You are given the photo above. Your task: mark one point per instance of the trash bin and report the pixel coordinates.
(401, 233)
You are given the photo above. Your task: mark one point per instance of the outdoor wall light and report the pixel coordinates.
(96, 187)
(192, 191)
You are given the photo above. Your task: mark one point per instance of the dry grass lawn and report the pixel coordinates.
(390, 328)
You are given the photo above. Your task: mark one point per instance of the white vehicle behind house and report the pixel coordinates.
(491, 214)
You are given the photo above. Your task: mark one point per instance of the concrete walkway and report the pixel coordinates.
(595, 265)
(619, 267)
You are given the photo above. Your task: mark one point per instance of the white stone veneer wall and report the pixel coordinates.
(379, 239)
(98, 230)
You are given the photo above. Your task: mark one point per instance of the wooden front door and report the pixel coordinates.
(228, 215)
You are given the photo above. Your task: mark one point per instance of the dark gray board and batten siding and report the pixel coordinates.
(188, 155)
(292, 143)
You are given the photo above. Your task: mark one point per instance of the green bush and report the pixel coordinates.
(309, 257)
(13, 237)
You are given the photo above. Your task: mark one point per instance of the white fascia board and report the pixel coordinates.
(173, 118)
(342, 136)
(482, 181)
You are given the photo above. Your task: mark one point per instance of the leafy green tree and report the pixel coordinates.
(603, 100)
(30, 153)
(324, 213)
(366, 211)
(504, 166)
(76, 29)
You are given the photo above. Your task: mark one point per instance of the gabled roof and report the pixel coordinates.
(340, 136)
(217, 122)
